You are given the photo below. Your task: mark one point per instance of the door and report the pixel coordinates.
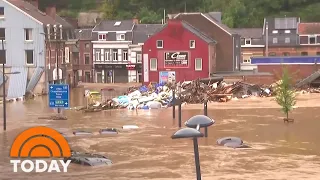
(99, 77)
(120, 76)
(87, 77)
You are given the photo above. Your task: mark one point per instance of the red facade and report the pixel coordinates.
(177, 37)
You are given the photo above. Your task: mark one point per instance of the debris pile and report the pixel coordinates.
(156, 96)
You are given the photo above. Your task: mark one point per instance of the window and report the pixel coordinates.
(192, 44)
(275, 40)
(87, 76)
(275, 32)
(1, 11)
(28, 34)
(98, 55)
(198, 64)
(102, 37)
(286, 54)
(153, 64)
(117, 23)
(247, 41)
(139, 58)
(87, 46)
(272, 54)
(29, 56)
(107, 55)
(304, 53)
(115, 54)
(86, 58)
(287, 40)
(312, 40)
(287, 31)
(122, 36)
(2, 33)
(3, 58)
(159, 44)
(246, 61)
(125, 55)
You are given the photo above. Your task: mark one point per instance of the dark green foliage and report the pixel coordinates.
(235, 13)
(286, 97)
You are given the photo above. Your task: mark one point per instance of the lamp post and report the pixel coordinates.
(173, 100)
(194, 134)
(202, 120)
(4, 88)
(179, 105)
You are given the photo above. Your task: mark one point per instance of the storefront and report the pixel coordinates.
(117, 73)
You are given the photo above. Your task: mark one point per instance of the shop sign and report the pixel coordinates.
(118, 66)
(176, 59)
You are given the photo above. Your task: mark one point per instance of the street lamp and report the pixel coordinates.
(191, 133)
(202, 120)
(4, 89)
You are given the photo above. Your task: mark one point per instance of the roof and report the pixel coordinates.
(197, 32)
(192, 29)
(83, 34)
(309, 28)
(197, 15)
(89, 19)
(110, 25)
(37, 14)
(249, 32)
(141, 32)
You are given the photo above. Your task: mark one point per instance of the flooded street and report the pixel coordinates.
(279, 151)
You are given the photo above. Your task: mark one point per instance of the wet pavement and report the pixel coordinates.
(279, 151)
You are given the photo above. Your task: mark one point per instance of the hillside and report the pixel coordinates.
(236, 13)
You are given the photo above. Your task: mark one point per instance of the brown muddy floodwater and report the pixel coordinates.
(279, 151)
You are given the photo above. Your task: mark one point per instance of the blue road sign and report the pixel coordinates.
(58, 95)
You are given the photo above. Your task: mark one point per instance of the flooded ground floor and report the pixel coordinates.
(279, 151)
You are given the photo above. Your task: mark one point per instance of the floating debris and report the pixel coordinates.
(232, 142)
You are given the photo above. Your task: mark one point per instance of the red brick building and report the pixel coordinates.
(179, 52)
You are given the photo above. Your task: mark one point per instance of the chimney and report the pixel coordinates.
(35, 3)
(51, 11)
(135, 20)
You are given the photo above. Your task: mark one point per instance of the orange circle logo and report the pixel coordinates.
(40, 142)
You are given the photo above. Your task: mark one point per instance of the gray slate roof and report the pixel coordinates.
(249, 32)
(141, 32)
(83, 34)
(108, 25)
(39, 15)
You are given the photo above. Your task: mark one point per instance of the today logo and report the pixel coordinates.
(40, 143)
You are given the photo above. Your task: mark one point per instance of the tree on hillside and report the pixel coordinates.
(286, 97)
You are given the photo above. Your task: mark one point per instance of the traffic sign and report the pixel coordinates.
(87, 93)
(58, 95)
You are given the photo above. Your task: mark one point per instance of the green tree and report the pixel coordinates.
(286, 97)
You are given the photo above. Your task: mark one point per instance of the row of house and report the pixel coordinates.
(45, 48)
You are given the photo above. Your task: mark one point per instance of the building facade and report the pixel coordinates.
(178, 52)
(24, 48)
(309, 37)
(252, 45)
(83, 68)
(111, 52)
(141, 33)
(228, 48)
(281, 36)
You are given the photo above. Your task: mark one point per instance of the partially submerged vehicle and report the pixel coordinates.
(87, 159)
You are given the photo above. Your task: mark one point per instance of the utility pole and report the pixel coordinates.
(57, 51)
(4, 91)
(267, 39)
